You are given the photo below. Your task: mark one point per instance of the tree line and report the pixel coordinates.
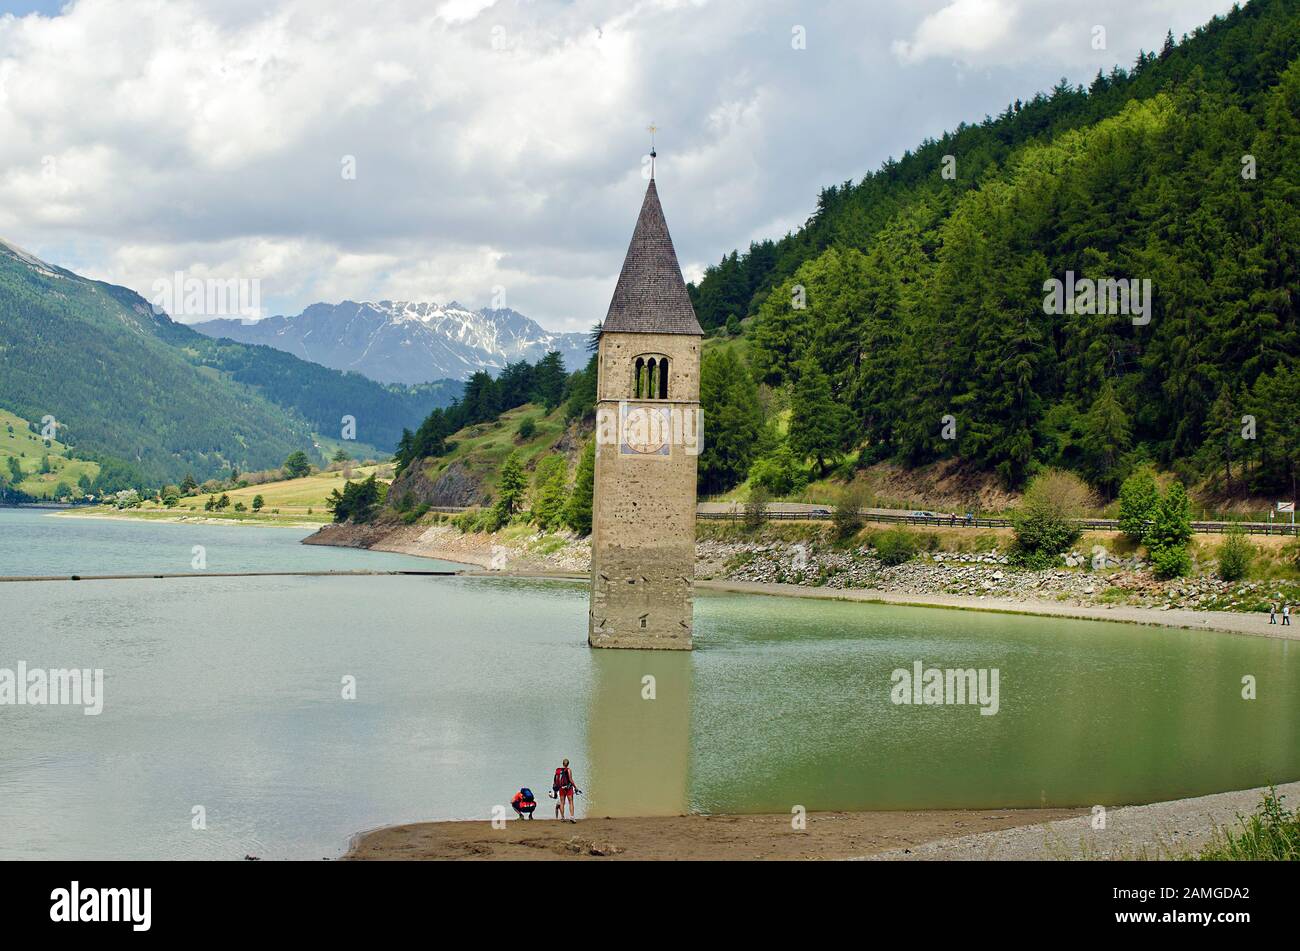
(911, 318)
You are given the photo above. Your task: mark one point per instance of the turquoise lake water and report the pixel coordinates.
(227, 694)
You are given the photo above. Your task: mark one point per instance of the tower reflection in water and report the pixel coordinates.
(639, 733)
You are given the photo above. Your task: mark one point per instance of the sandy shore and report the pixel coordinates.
(1163, 830)
(829, 835)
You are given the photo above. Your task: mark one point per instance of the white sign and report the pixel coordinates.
(1286, 506)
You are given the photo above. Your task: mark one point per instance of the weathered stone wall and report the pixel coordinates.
(643, 526)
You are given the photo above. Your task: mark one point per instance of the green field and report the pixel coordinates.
(286, 500)
(20, 443)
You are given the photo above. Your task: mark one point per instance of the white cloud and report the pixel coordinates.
(1006, 32)
(495, 144)
(961, 28)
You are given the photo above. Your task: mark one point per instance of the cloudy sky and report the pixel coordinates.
(494, 145)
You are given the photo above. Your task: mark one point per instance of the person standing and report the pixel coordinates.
(1272, 612)
(564, 788)
(1286, 615)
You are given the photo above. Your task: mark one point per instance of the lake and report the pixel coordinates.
(224, 697)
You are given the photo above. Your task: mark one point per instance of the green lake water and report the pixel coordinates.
(226, 693)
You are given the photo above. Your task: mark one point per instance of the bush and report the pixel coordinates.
(896, 546)
(1171, 561)
(756, 507)
(1272, 834)
(466, 520)
(1046, 523)
(779, 472)
(1235, 556)
(527, 427)
(847, 516)
(413, 515)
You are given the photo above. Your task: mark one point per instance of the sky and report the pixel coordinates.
(488, 153)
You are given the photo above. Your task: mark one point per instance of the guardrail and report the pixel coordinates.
(960, 521)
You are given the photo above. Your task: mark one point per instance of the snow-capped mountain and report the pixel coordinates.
(405, 342)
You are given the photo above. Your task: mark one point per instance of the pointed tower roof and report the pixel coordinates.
(651, 296)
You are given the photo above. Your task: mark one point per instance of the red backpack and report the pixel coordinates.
(562, 778)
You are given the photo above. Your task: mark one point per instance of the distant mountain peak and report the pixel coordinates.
(396, 341)
(26, 257)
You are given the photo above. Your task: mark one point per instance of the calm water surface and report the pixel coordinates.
(225, 693)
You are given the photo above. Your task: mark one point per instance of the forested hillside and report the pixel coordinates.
(152, 400)
(908, 319)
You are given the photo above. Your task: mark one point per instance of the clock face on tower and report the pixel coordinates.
(645, 431)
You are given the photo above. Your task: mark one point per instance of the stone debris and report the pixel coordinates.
(976, 574)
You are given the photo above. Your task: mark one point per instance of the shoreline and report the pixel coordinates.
(1224, 622)
(484, 555)
(1171, 829)
(164, 519)
(829, 835)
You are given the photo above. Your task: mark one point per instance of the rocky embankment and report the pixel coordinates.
(1083, 578)
(499, 552)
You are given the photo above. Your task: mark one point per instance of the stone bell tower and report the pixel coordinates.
(648, 436)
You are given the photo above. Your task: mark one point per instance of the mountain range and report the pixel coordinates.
(404, 341)
(152, 399)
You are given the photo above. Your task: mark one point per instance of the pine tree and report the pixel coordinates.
(1170, 532)
(550, 491)
(816, 420)
(733, 421)
(1223, 433)
(549, 379)
(577, 512)
(511, 486)
(1107, 436)
(1139, 498)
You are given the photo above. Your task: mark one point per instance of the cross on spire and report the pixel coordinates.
(652, 129)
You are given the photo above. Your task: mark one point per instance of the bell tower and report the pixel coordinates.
(648, 436)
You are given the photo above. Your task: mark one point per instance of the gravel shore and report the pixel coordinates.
(1161, 830)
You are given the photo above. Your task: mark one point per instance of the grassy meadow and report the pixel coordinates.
(32, 454)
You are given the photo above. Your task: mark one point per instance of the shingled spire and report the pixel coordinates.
(651, 296)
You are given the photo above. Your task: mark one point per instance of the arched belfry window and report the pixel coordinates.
(650, 377)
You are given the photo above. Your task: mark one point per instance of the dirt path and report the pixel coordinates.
(829, 835)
